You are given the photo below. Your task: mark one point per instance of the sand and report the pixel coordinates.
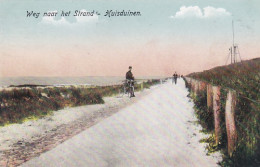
(159, 129)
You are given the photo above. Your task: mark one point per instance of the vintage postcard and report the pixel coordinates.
(127, 83)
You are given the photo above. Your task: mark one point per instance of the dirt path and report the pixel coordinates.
(21, 142)
(157, 130)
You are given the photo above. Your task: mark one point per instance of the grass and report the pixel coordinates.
(244, 78)
(211, 147)
(19, 105)
(204, 116)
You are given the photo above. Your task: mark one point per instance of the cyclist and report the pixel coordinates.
(130, 79)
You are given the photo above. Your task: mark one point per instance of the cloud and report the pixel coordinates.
(80, 19)
(51, 20)
(215, 12)
(196, 12)
(86, 19)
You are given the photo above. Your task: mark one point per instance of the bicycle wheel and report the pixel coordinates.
(121, 91)
(131, 91)
(128, 92)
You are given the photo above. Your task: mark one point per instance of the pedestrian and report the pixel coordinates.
(175, 76)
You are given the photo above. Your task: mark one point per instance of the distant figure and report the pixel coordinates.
(174, 78)
(130, 78)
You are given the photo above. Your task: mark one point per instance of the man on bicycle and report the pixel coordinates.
(130, 79)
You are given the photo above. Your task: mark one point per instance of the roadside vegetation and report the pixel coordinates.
(244, 78)
(32, 102)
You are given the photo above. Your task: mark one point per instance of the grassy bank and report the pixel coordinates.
(20, 104)
(244, 78)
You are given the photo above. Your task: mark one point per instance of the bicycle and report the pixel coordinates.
(128, 88)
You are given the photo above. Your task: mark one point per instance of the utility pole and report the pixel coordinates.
(231, 55)
(233, 50)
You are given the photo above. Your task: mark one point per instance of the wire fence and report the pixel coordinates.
(248, 114)
(240, 93)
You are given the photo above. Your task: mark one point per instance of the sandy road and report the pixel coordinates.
(157, 130)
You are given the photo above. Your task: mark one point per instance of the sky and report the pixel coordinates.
(170, 35)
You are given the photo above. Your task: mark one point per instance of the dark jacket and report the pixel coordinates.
(129, 75)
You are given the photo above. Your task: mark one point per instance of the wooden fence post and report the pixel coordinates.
(216, 109)
(202, 85)
(230, 121)
(209, 98)
(188, 80)
(192, 85)
(196, 87)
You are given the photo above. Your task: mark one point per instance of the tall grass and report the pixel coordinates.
(23, 103)
(19, 104)
(244, 78)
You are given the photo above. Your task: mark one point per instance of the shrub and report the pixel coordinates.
(19, 104)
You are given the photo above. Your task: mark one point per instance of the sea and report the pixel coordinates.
(63, 81)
